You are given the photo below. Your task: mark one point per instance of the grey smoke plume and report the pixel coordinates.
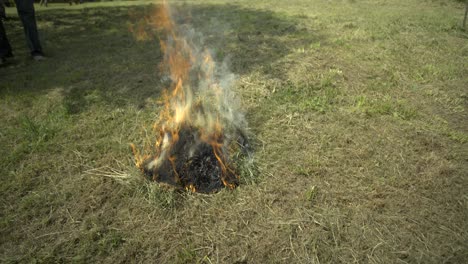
(201, 110)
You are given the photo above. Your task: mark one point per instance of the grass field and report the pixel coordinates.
(358, 109)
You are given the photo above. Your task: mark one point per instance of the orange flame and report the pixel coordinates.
(179, 106)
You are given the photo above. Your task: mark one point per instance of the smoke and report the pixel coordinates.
(210, 81)
(201, 111)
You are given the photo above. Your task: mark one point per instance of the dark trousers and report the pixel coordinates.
(27, 15)
(5, 48)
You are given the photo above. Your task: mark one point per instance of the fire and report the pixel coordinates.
(191, 146)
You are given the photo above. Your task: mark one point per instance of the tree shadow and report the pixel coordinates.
(95, 59)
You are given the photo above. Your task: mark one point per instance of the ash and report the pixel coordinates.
(193, 164)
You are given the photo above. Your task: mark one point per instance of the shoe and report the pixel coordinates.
(38, 57)
(2, 61)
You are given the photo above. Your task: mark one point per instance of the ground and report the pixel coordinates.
(357, 109)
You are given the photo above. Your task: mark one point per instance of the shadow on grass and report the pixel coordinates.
(95, 60)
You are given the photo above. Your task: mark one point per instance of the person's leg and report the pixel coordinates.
(5, 48)
(27, 15)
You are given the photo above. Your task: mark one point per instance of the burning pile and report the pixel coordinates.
(197, 127)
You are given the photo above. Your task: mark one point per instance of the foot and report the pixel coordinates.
(38, 56)
(2, 62)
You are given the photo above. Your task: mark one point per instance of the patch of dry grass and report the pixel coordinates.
(358, 109)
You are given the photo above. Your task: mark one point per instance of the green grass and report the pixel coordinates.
(358, 111)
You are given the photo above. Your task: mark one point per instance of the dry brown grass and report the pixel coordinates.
(358, 109)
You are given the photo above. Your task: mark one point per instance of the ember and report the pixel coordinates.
(197, 169)
(198, 126)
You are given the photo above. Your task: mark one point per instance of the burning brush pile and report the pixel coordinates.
(198, 126)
